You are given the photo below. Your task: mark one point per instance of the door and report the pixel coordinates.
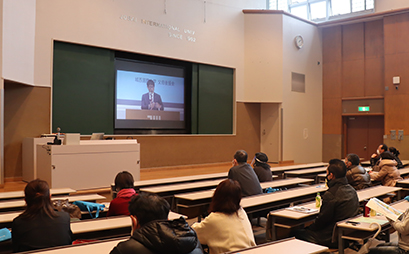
(364, 135)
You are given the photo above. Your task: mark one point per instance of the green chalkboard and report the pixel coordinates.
(215, 100)
(83, 89)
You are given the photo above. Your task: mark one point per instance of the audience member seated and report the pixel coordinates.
(356, 175)
(124, 186)
(375, 157)
(262, 168)
(40, 226)
(245, 175)
(227, 228)
(339, 202)
(402, 226)
(152, 232)
(396, 153)
(386, 170)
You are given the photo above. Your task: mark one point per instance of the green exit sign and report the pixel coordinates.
(363, 108)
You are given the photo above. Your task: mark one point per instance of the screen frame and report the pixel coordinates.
(146, 129)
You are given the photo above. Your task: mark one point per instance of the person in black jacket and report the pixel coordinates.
(153, 233)
(396, 153)
(261, 168)
(339, 202)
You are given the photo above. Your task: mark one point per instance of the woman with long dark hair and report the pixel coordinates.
(40, 226)
(227, 228)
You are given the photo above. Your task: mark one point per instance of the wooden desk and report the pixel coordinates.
(361, 231)
(377, 191)
(20, 194)
(268, 201)
(170, 190)
(104, 246)
(288, 219)
(19, 204)
(181, 179)
(368, 163)
(203, 198)
(114, 226)
(279, 170)
(401, 205)
(288, 246)
(308, 172)
(404, 172)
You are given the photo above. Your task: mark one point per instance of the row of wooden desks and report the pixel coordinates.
(148, 184)
(101, 228)
(286, 218)
(18, 204)
(20, 194)
(368, 163)
(306, 173)
(203, 198)
(288, 246)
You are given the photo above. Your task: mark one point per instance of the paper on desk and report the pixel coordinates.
(385, 209)
(370, 220)
(302, 209)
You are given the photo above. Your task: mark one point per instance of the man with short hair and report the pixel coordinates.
(151, 100)
(245, 175)
(152, 232)
(375, 157)
(339, 202)
(356, 175)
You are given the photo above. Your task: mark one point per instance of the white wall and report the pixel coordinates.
(302, 111)
(270, 57)
(263, 58)
(217, 29)
(387, 5)
(270, 131)
(18, 40)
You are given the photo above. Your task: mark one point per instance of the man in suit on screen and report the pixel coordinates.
(151, 100)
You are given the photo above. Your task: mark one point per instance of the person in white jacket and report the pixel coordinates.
(227, 228)
(401, 225)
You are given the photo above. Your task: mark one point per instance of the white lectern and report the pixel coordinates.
(91, 164)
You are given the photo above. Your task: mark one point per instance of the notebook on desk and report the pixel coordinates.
(302, 209)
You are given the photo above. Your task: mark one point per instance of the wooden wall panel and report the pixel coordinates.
(331, 76)
(397, 65)
(353, 78)
(160, 151)
(396, 113)
(374, 39)
(28, 110)
(353, 42)
(374, 76)
(331, 45)
(396, 37)
(26, 114)
(332, 119)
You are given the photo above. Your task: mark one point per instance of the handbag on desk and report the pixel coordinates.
(90, 207)
(63, 205)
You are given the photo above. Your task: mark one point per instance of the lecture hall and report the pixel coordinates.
(187, 94)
